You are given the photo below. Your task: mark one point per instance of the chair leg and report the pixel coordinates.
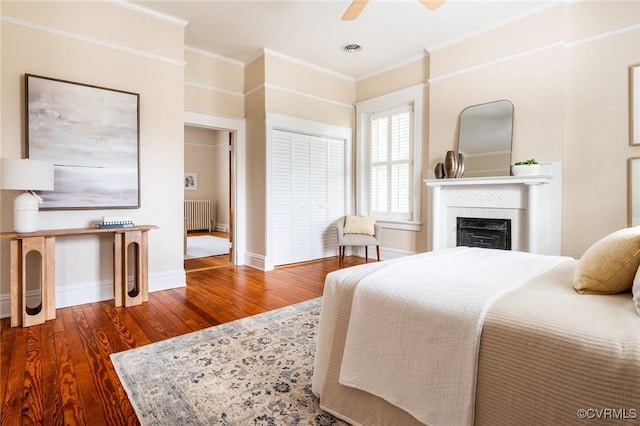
(378, 252)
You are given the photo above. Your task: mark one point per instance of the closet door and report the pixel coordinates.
(301, 215)
(319, 193)
(335, 192)
(282, 201)
(308, 196)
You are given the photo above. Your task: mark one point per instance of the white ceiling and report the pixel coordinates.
(390, 32)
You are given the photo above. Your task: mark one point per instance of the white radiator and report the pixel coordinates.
(199, 214)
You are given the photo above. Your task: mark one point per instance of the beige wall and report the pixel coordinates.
(566, 72)
(275, 84)
(597, 120)
(213, 84)
(110, 46)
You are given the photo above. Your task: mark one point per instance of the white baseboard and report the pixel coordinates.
(221, 227)
(92, 292)
(257, 261)
(385, 253)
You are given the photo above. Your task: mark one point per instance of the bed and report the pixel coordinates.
(508, 341)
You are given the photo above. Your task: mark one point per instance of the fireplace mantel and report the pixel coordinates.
(534, 203)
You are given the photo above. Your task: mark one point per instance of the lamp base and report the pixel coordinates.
(25, 212)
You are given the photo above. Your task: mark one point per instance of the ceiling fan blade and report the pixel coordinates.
(354, 10)
(432, 4)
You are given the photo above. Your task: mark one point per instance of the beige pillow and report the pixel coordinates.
(609, 265)
(636, 292)
(360, 225)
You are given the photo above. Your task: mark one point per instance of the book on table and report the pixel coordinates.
(109, 222)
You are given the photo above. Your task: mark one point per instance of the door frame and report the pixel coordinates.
(237, 128)
(313, 128)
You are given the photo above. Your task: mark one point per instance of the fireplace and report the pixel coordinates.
(483, 233)
(532, 205)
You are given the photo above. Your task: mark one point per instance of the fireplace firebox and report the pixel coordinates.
(484, 233)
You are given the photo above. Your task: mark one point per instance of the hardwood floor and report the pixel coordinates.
(60, 373)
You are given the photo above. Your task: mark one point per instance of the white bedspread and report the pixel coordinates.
(414, 333)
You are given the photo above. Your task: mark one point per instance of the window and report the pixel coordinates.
(388, 161)
(391, 164)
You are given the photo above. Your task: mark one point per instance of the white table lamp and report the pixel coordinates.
(26, 175)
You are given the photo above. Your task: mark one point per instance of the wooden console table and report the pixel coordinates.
(43, 242)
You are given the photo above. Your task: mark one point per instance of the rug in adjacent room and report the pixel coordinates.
(253, 371)
(205, 246)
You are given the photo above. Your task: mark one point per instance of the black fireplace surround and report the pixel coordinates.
(484, 233)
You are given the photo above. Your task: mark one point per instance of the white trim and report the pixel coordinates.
(256, 261)
(237, 126)
(212, 55)
(307, 95)
(411, 95)
(254, 90)
(603, 35)
(308, 127)
(533, 51)
(394, 66)
(297, 92)
(404, 226)
(86, 39)
(212, 88)
(327, 71)
(97, 291)
(150, 12)
(515, 18)
(539, 49)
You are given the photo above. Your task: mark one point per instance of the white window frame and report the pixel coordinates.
(410, 96)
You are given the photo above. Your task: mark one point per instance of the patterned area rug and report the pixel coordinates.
(253, 371)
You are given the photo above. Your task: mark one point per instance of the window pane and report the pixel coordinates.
(379, 143)
(400, 189)
(379, 189)
(400, 136)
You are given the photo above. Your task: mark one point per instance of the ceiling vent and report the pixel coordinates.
(351, 48)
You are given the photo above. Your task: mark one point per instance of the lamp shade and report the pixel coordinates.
(26, 174)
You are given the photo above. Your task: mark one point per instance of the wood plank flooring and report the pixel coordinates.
(60, 373)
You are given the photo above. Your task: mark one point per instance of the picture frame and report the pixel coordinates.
(633, 191)
(190, 181)
(634, 116)
(92, 136)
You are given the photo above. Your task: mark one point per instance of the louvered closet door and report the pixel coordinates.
(335, 192)
(308, 195)
(282, 201)
(303, 234)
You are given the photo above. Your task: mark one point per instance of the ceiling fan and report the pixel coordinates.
(357, 6)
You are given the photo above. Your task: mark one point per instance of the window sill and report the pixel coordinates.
(400, 225)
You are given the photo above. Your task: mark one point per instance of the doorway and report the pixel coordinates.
(228, 144)
(207, 163)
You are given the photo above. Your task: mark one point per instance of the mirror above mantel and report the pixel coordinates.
(484, 139)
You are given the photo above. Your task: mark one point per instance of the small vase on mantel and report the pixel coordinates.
(439, 171)
(450, 164)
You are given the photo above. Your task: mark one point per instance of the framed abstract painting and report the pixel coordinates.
(92, 135)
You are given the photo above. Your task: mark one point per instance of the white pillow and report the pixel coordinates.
(636, 292)
(360, 225)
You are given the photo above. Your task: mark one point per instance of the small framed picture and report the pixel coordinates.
(190, 181)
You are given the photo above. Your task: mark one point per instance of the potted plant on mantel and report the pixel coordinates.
(526, 168)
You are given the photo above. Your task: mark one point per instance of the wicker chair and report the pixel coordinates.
(357, 240)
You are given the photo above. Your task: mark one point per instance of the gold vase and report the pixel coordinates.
(450, 164)
(439, 171)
